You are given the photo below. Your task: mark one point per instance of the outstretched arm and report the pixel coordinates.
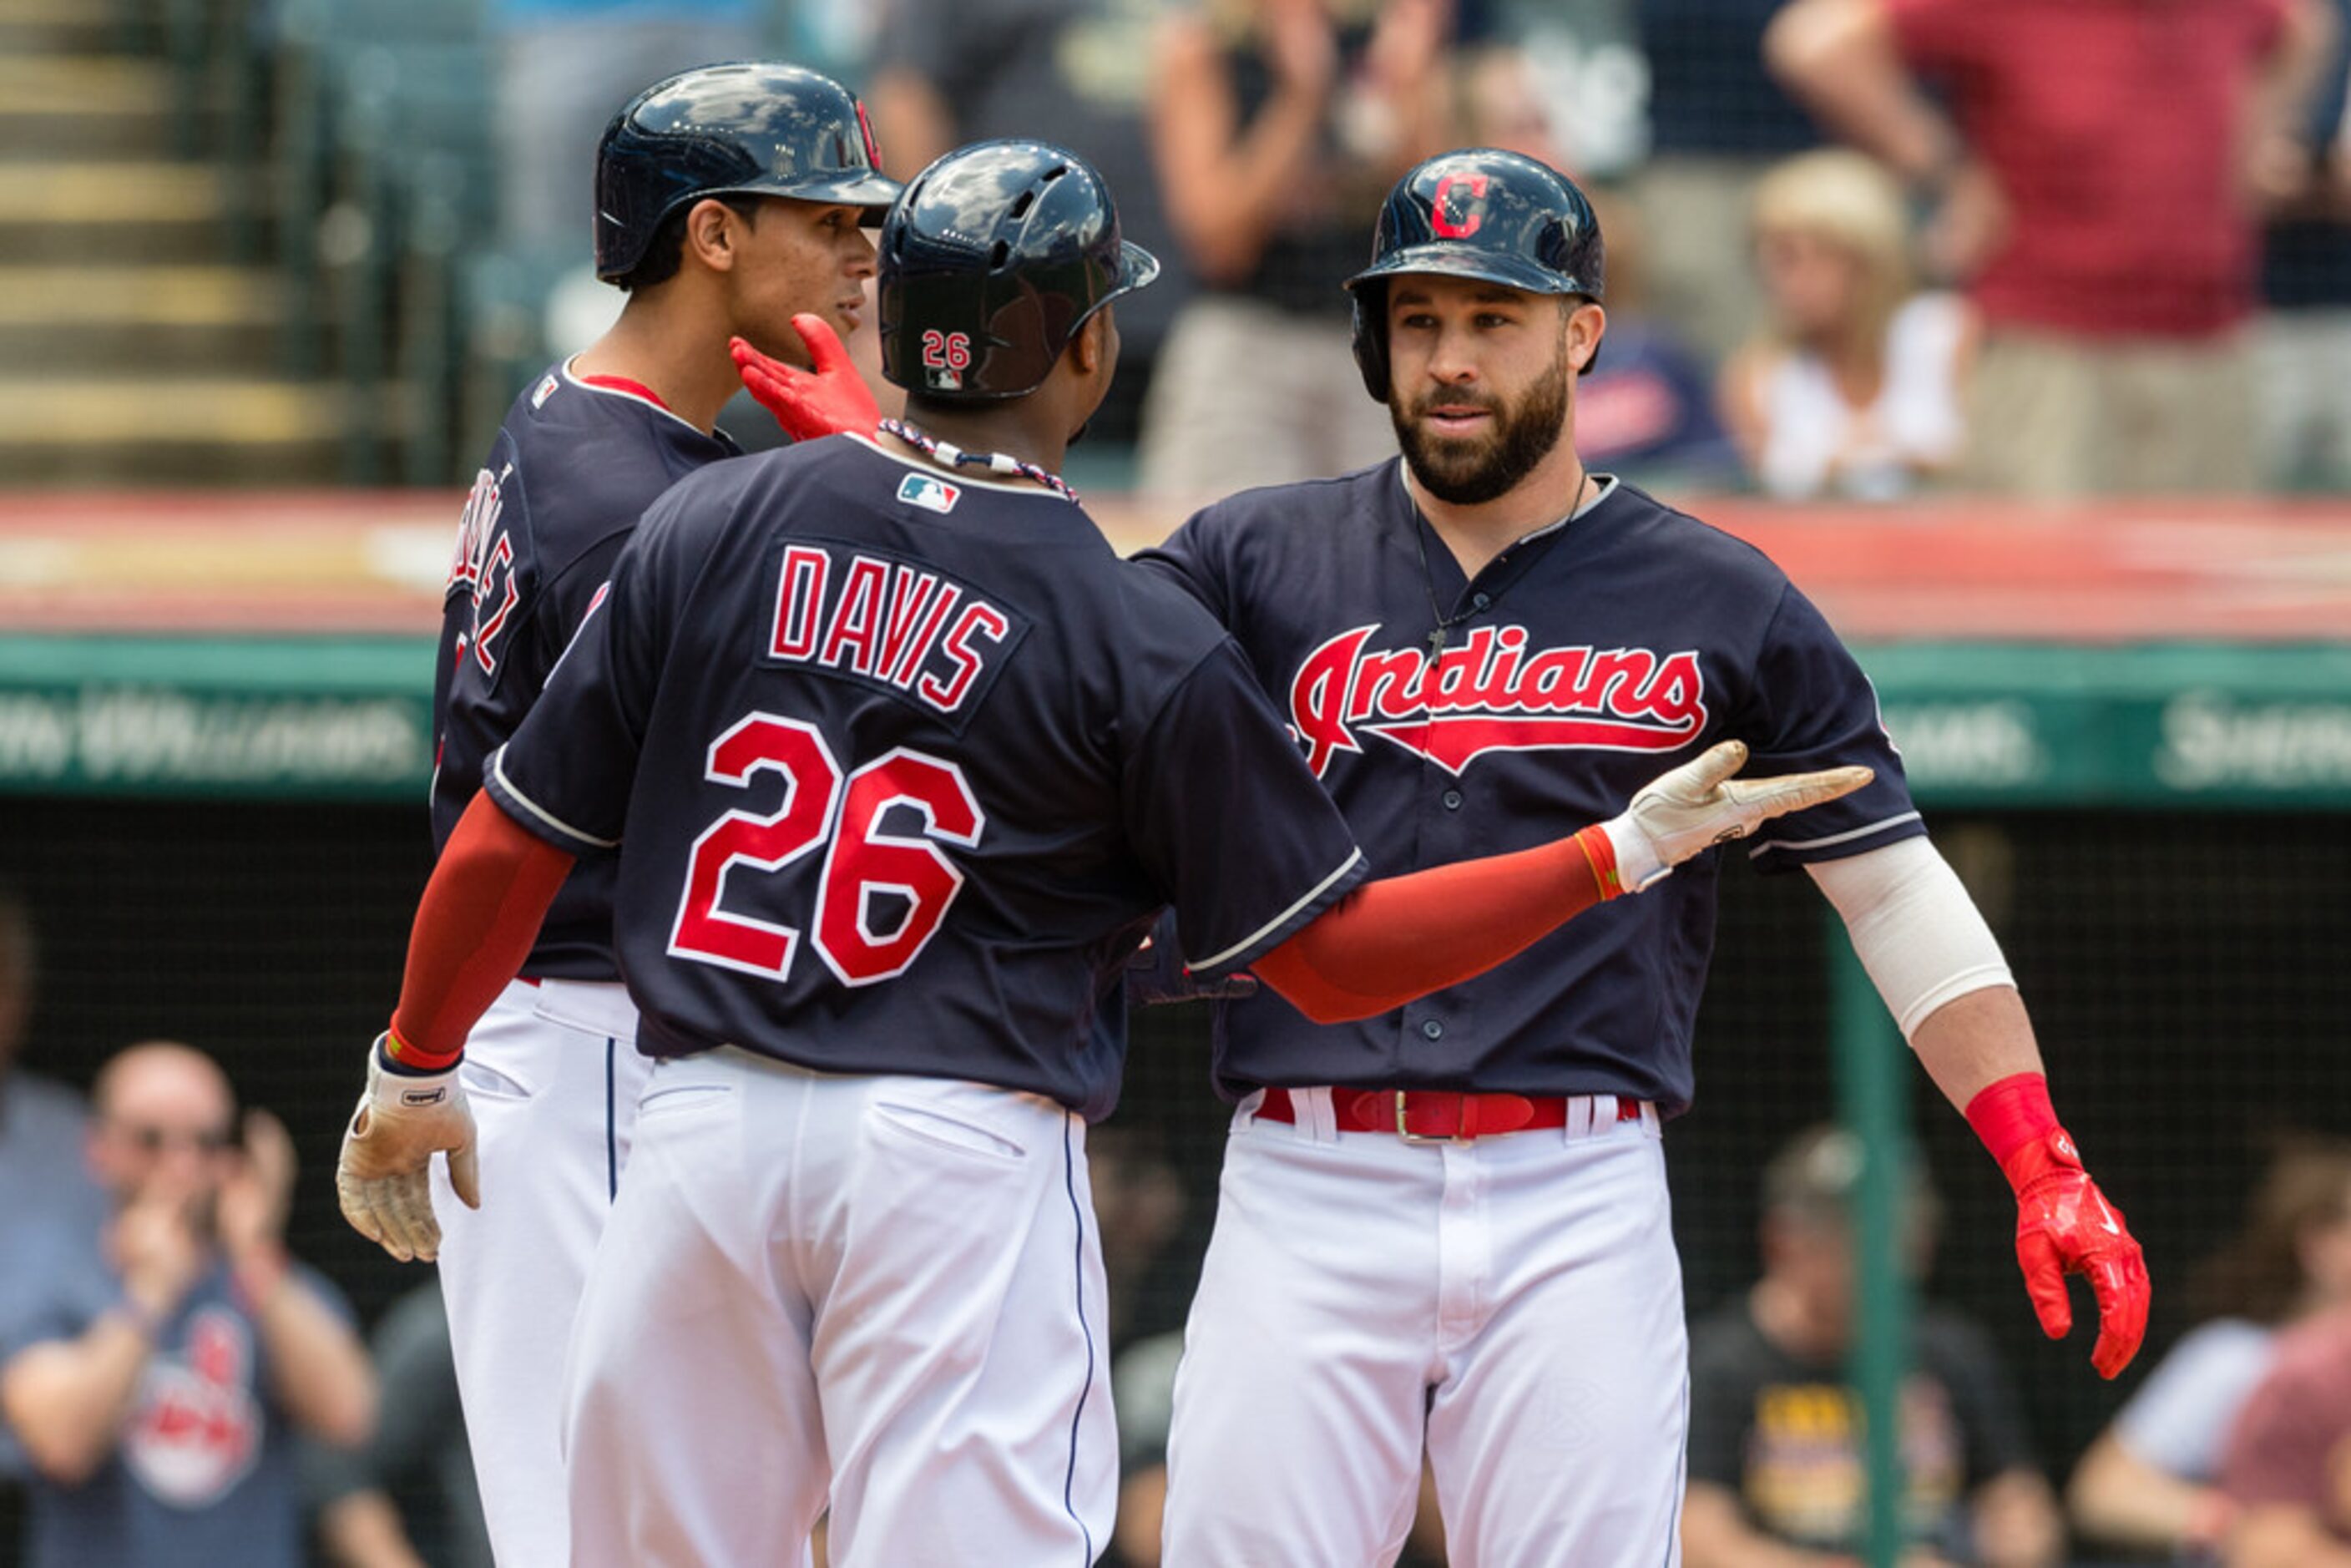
(1403, 937)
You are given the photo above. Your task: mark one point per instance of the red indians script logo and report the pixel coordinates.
(1492, 694)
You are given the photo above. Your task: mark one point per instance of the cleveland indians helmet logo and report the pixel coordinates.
(1458, 216)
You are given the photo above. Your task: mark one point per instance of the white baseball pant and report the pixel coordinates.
(888, 1286)
(1511, 1305)
(552, 1074)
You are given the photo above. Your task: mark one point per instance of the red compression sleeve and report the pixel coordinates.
(1402, 938)
(474, 929)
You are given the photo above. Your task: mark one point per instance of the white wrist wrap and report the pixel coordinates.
(1917, 931)
(1638, 862)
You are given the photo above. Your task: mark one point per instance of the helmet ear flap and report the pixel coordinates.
(1370, 302)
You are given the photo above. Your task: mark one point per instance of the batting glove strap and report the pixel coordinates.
(382, 1178)
(1638, 864)
(2065, 1226)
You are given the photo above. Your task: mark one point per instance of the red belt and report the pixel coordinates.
(1436, 1116)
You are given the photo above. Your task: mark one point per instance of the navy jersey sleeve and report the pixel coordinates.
(565, 599)
(1196, 558)
(566, 772)
(1235, 831)
(1812, 708)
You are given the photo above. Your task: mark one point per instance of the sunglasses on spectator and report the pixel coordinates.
(154, 1140)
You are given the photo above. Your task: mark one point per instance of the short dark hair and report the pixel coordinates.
(666, 250)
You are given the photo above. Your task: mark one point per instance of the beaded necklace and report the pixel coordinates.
(940, 452)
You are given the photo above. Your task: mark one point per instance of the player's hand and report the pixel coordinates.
(825, 400)
(1699, 804)
(2065, 1226)
(1155, 975)
(402, 1120)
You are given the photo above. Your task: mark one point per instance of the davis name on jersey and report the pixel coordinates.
(1492, 694)
(899, 624)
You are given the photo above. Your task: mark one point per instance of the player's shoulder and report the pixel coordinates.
(1279, 513)
(1637, 517)
(603, 440)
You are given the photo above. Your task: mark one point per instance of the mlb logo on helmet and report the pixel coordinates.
(931, 495)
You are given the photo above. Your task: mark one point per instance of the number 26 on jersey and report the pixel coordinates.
(868, 872)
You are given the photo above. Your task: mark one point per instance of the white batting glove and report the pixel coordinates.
(382, 1178)
(1675, 815)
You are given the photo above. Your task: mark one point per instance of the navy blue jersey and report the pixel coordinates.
(573, 468)
(1583, 661)
(902, 767)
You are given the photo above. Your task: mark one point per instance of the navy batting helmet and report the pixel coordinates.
(1502, 217)
(757, 129)
(990, 262)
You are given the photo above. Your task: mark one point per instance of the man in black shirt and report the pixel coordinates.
(1776, 1474)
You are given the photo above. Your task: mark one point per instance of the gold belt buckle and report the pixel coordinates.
(1409, 1136)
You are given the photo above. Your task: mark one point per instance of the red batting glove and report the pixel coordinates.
(2065, 1226)
(826, 400)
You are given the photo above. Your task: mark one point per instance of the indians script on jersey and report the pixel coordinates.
(1493, 693)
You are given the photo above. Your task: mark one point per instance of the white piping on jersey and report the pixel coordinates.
(1276, 924)
(1606, 484)
(1762, 845)
(952, 476)
(499, 771)
(632, 397)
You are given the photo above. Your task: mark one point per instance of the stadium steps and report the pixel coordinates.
(223, 319)
(53, 26)
(85, 106)
(134, 350)
(180, 430)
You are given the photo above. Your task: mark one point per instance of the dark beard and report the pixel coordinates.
(1470, 473)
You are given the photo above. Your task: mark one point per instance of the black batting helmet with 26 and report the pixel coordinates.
(756, 129)
(989, 264)
(1501, 217)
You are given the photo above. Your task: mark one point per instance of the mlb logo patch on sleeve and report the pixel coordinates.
(931, 494)
(544, 389)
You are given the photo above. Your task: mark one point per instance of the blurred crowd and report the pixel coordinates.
(177, 1387)
(1856, 248)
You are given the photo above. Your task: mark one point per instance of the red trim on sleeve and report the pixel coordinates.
(474, 926)
(1393, 941)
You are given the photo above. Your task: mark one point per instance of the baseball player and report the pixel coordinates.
(1444, 1229)
(901, 760)
(727, 198)
(1476, 645)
